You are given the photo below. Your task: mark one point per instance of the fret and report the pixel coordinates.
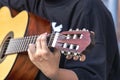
(26, 43)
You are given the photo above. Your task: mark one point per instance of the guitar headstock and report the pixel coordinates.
(74, 43)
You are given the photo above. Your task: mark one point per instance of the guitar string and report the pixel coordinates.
(23, 38)
(28, 38)
(65, 35)
(22, 41)
(17, 49)
(34, 37)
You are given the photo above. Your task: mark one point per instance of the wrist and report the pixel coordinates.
(54, 75)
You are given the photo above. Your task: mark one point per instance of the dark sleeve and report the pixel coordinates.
(98, 64)
(19, 4)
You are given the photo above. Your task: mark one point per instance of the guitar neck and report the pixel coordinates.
(20, 44)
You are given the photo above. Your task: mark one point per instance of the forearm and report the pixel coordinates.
(65, 74)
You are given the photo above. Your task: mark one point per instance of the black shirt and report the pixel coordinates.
(102, 62)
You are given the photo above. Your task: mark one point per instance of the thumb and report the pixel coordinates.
(31, 50)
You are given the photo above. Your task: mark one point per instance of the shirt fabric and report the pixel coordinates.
(102, 61)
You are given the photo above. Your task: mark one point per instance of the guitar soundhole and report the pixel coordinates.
(4, 45)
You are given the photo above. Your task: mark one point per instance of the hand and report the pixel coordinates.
(43, 58)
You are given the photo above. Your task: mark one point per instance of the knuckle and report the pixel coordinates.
(42, 39)
(38, 39)
(35, 58)
(44, 52)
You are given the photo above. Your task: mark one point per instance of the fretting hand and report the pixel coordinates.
(43, 58)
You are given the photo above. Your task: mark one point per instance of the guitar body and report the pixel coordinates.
(18, 66)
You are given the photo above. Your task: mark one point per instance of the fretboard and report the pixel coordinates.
(20, 44)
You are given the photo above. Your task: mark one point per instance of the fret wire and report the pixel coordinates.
(15, 44)
(36, 38)
(26, 40)
(33, 38)
(20, 44)
(11, 45)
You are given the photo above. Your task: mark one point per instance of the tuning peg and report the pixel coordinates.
(92, 33)
(68, 57)
(77, 29)
(84, 29)
(82, 57)
(75, 58)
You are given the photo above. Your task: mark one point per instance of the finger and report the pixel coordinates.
(44, 41)
(56, 52)
(38, 43)
(31, 51)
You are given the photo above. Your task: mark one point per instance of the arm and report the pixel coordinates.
(66, 74)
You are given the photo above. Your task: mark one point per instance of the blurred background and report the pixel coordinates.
(114, 8)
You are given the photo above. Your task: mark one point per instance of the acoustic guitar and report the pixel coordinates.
(17, 31)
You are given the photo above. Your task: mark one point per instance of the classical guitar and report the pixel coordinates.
(17, 31)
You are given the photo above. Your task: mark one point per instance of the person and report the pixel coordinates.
(102, 61)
